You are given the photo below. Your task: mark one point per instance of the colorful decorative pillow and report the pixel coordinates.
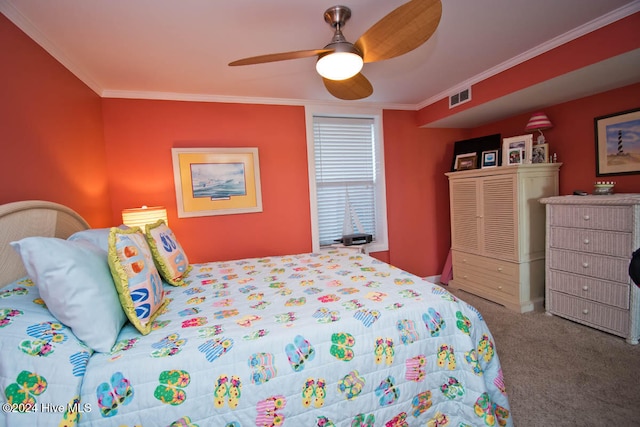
(137, 280)
(74, 280)
(168, 254)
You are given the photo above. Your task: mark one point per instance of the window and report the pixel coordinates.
(346, 175)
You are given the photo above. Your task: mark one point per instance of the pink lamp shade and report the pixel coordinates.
(539, 121)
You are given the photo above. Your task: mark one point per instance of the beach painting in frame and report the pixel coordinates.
(216, 181)
(618, 143)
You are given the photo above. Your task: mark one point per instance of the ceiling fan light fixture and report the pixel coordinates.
(339, 65)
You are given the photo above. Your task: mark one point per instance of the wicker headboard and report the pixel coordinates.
(32, 218)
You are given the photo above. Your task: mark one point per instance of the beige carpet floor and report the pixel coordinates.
(560, 373)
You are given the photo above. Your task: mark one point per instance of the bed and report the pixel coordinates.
(335, 338)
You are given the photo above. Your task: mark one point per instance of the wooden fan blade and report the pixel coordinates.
(357, 87)
(401, 31)
(273, 57)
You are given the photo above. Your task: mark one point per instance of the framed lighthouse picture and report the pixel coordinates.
(618, 143)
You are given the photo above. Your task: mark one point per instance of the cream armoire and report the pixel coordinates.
(498, 232)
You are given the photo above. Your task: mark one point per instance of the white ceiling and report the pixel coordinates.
(179, 49)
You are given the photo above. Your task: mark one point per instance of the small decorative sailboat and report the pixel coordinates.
(350, 219)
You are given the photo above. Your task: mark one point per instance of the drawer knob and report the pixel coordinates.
(587, 217)
(500, 287)
(585, 264)
(465, 276)
(586, 241)
(464, 260)
(499, 268)
(585, 311)
(585, 288)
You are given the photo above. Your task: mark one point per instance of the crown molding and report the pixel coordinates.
(173, 96)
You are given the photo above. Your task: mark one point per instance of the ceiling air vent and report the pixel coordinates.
(460, 97)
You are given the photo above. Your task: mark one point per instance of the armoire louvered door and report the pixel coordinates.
(464, 224)
(499, 219)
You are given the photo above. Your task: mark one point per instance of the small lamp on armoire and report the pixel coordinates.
(539, 121)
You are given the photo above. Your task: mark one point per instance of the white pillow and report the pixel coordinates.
(75, 282)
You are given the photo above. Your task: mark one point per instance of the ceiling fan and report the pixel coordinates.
(339, 62)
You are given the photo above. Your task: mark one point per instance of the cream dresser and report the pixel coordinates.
(590, 240)
(497, 232)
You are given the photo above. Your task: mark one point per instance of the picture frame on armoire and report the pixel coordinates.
(618, 143)
(466, 161)
(489, 159)
(510, 147)
(515, 156)
(540, 153)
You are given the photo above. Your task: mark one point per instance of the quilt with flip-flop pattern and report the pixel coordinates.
(328, 339)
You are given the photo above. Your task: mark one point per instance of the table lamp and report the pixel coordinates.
(539, 121)
(139, 217)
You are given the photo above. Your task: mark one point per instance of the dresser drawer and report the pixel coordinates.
(473, 277)
(489, 267)
(597, 315)
(598, 266)
(593, 241)
(612, 293)
(615, 218)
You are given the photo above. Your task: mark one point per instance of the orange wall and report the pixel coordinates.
(573, 137)
(139, 135)
(51, 138)
(416, 160)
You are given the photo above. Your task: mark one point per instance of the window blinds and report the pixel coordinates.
(345, 167)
